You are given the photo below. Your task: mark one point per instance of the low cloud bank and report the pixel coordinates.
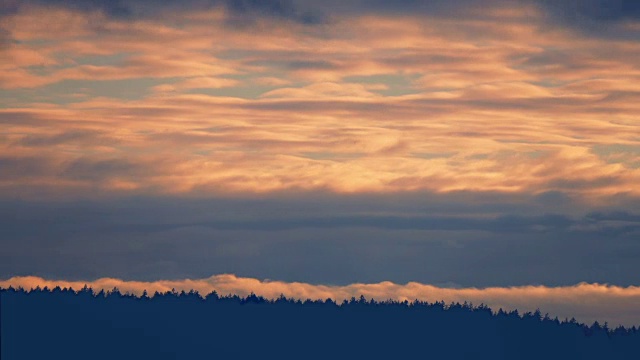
(585, 302)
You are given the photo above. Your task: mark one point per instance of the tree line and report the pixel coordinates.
(69, 324)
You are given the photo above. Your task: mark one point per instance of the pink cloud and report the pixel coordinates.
(374, 95)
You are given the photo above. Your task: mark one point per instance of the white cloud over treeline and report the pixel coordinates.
(584, 302)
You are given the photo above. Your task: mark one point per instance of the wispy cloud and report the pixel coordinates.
(376, 94)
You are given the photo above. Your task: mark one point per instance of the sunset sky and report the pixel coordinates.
(454, 144)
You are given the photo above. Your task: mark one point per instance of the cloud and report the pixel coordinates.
(581, 14)
(272, 81)
(241, 10)
(69, 137)
(23, 167)
(586, 11)
(197, 83)
(268, 144)
(585, 302)
(320, 90)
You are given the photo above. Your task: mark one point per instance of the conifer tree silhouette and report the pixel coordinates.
(186, 325)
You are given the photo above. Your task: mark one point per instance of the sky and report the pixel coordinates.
(458, 145)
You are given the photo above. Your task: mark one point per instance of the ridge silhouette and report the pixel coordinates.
(67, 324)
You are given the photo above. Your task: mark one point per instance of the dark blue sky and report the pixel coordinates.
(322, 239)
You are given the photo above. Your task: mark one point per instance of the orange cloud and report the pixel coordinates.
(323, 89)
(364, 104)
(197, 83)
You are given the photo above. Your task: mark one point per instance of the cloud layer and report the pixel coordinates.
(191, 102)
(585, 302)
(466, 239)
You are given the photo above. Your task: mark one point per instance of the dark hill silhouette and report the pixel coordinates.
(65, 324)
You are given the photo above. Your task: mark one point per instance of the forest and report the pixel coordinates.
(62, 323)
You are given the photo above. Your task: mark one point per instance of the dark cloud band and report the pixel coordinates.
(296, 240)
